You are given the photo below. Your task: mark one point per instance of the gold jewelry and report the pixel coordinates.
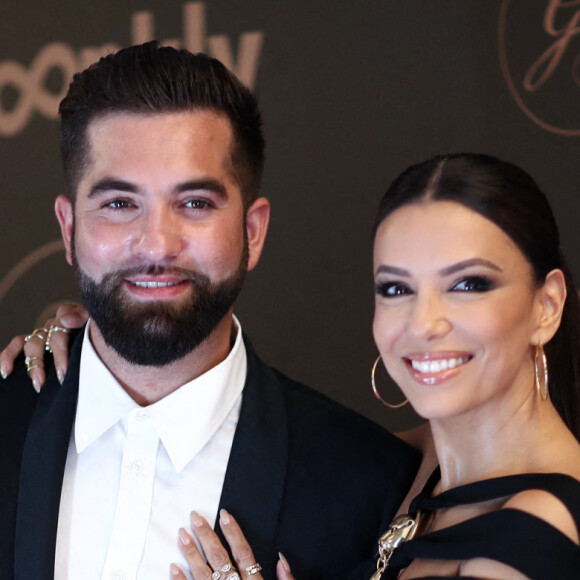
(402, 529)
(37, 333)
(51, 331)
(541, 372)
(31, 363)
(376, 392)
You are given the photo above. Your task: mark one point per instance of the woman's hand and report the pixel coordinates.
(54, 334)
(219, 566)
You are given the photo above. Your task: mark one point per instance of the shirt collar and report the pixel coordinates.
(185, 420)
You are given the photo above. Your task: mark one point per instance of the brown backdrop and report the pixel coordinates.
(352, 93)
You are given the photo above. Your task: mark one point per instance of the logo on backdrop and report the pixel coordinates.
(539, 48)
(30, 84)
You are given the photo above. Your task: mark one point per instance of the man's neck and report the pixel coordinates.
(149, 384)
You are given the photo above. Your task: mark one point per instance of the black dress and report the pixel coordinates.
(516, 538)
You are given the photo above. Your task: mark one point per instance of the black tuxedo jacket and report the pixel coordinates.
(305, 477)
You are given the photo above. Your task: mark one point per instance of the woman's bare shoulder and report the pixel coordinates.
(546, 506)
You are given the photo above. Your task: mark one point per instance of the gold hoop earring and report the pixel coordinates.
(376, 392)
(541, 372)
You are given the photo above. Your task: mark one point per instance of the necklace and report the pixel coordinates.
(402, 529)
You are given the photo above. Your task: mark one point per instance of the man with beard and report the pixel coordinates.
(165, 408)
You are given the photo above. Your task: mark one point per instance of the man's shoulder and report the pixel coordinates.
(17, 403)
(316, 417)
(16, 390)
(316, 411)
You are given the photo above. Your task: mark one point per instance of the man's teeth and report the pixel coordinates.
(155, 284)
(436, 366)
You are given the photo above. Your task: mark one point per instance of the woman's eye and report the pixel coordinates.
(392, 289)
(473, 284)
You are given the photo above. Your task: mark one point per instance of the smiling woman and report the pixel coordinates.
(470, 287)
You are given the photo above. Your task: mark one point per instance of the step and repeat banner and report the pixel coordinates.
(352, 93)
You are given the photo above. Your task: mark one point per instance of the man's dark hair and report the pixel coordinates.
(151, 78)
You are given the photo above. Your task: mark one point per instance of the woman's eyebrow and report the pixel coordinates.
(468, 264)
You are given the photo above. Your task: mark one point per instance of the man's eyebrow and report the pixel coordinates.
(207, 184)
(468, 264)
(108, 184)
(111, 184)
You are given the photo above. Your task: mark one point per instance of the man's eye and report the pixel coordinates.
(473, 284)
(197, 204)
(118, 204)
(392, 289)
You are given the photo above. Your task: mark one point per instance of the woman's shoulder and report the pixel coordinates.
(556, 501)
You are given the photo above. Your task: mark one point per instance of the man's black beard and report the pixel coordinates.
(158, 333)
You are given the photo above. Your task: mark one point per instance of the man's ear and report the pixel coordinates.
(551, 298)
(64, 211)
(257, 219)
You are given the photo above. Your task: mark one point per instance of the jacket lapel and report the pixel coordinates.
(254, 484)
(43, 463)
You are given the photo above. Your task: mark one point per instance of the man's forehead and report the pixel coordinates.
(199, 133)
(124, 119)
(164, 149)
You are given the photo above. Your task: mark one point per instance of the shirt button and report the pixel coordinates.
(142, 415)
(137, 467)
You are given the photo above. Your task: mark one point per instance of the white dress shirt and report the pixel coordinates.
(134, 474)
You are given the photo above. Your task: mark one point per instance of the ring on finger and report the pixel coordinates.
(216, 575)
(253, 569)
(39, 333)
(53, 328)
(233, 576)
(32, 363)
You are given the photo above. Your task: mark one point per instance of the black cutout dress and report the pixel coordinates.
(516, 538)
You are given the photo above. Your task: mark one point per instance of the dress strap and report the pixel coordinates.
(562, 486)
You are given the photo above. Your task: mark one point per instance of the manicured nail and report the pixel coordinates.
(60, 376)
(174, 569)
(284, 562)
(36, 384)
(65, 320)
(3, 372)
(184, 537)
(224, 517)
(196, 520)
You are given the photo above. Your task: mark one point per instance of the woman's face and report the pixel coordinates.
(456, 309)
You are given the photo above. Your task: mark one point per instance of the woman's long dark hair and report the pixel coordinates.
(507, 196)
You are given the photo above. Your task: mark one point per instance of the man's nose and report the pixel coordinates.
(159, 237)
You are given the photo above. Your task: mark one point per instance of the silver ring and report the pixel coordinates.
(226, 568)
(233, 576)
(216, 575)
(253, 569)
